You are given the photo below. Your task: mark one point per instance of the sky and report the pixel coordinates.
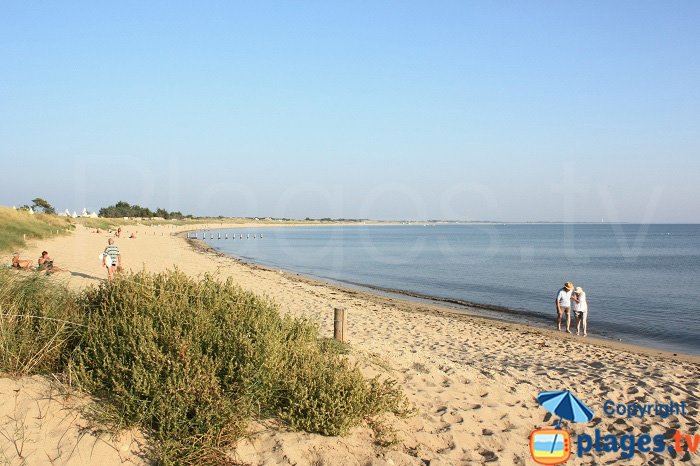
(512, 111)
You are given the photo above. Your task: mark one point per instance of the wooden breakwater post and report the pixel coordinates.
(339, 324)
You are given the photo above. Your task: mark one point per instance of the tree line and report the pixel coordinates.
(120, 209)
(124, 209)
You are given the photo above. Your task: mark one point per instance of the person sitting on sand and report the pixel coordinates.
(579, 306)
(18, 263)
(46, 263)
(133, 235)
(563, 302)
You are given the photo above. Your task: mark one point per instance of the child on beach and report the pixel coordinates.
(579, 306)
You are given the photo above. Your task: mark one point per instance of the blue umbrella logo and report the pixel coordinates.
(565, 405)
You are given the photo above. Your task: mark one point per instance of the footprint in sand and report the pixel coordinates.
(452, 418)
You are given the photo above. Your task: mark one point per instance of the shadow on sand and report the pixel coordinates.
(84, 275)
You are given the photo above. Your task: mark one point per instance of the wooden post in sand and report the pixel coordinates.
(339, 324)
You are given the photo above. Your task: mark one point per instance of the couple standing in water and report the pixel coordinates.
(570, 299)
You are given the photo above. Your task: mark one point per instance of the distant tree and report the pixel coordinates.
(42, 204)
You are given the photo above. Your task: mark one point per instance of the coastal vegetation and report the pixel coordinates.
(188, 361)
(123, 209)
(16, 225)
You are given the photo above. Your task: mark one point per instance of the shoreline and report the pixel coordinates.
(440, 305)
(472, 380)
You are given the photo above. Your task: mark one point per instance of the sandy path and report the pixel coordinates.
(473, 381)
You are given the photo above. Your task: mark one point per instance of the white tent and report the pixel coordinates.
(31, 212)
(74, 215)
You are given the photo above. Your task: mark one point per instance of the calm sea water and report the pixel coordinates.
(642, 281)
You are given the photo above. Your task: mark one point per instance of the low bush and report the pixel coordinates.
(190, 362)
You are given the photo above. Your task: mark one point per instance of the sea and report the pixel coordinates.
(642, 281)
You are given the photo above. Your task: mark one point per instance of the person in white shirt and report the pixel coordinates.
(579, 306)
(563, 302)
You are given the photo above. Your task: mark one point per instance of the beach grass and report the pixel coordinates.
(188, 361)
(15, 225)
(38, 324)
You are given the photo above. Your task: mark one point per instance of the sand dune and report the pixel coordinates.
(473, 381)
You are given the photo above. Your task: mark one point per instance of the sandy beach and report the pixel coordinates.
(472, 380)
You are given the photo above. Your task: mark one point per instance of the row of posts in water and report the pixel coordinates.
(211, 236)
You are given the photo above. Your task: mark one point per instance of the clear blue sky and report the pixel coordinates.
(464, 110)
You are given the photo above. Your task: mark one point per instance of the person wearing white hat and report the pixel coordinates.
(579, 306)
(563, 303)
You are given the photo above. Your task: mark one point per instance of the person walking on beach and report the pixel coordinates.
(563, 302)
(579, 306)
(115, 258)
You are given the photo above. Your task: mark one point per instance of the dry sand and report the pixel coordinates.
(472, 380)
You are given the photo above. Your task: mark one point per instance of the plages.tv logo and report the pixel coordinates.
(553, 446)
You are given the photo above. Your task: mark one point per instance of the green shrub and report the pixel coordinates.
(188, 361)
(193, 361)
